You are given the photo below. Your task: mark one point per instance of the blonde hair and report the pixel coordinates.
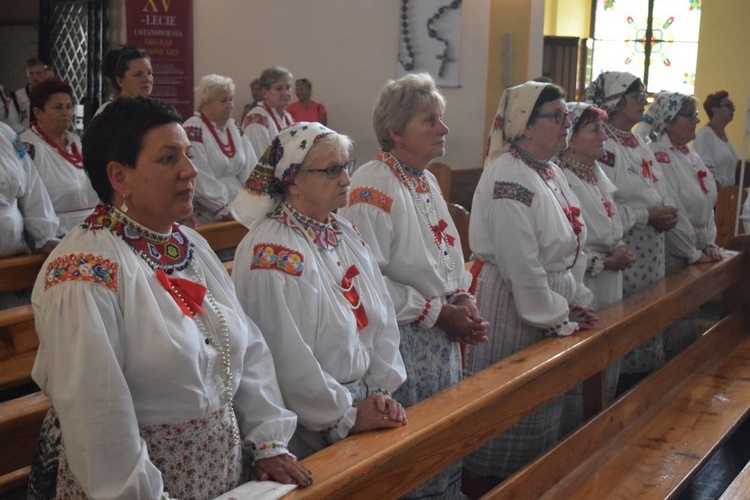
(399, 101)
(210, 86)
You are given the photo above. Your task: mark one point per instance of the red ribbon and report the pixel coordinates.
(353, 297)
(646, 169)
(701, 176)
(440, 234)
(572, 213)
(187, 294)
(608, 208)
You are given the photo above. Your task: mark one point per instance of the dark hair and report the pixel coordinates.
(117, 62)
(550, 92)
(34, 61)
(714, 101)
(589, 115)
(42, 92)
(305, 82)
(117, 135)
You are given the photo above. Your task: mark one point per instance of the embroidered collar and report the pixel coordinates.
(541, 167)
(405, 174)
(624, 137)
(168, 252)
(327, 235)
(584, 172)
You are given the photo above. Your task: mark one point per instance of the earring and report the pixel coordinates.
(124, 206)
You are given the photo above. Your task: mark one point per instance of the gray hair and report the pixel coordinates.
(210, 86)
(399, 101)
(272, 75)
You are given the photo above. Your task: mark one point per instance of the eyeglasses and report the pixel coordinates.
(333, 172)
(688, 114)
(639, 96)
(559, 116)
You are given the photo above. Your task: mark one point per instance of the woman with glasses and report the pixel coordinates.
(528, 235)
(711, 142)
(223, 158)
(672, 119)
(314, 288)
(397, 206)
(644, 206)
(269, 117)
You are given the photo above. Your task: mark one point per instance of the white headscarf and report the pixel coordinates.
(276, 169)
(663, 110)
(607, 90)
(511, 118)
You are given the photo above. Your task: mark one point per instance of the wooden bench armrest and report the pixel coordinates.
(19, 273)
(456, 421)
(20, 421)
(222, 235)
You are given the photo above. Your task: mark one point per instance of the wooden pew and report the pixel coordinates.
(460, 218)
(449, 425)
(20, 421)
(456, 421)
(18, 345)
(19, 273)
(444, 175)
(740, 487)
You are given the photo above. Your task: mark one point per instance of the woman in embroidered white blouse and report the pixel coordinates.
(158, 378)
(315, 289)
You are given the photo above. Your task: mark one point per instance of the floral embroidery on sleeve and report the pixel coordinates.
(81, 267)
(277, 257)
(371, 196)
(513, 191)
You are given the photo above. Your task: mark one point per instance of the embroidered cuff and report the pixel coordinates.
(269, 449)
(641, 217)
(562, 329)
(379, 390)
(595, 264)
(461, 293)
(341, 428)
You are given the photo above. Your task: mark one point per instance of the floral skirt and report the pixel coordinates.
(433, 363)
(198, 459)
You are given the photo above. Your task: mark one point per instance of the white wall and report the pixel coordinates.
(347, 48)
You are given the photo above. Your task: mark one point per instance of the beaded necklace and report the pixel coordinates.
(427, 210)
(74, 157)
(582, 171)
(346, 290)
(168, 251)
(228, 149)
(273, 117)
(624, 137)
(546, 173)
(133, 233)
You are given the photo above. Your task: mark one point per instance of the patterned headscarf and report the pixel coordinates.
(607, 90)
(663, 110)
(575, 109)
(276, 169)
(512, 116)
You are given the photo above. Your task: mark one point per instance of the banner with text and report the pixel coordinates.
(164, 28)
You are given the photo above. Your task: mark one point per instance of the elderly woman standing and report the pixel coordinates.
(645, 208)
(711, 142)
(157, 376)
(528, 236)
(397, 207)
(268, 118)
(317, 292)
(223, 158)
(606, 253)
(57, 153)
(672, 118)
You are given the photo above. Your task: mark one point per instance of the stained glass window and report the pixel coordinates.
(666, 59)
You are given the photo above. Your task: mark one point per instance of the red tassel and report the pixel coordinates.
(353, 297)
